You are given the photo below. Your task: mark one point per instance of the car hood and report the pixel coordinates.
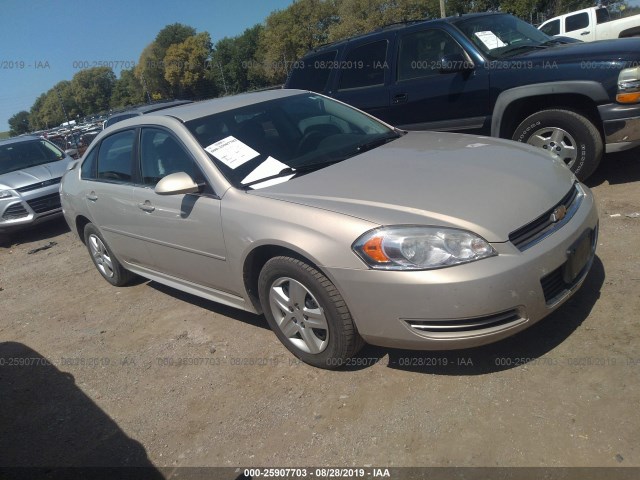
(485, 185)
(602, 50)
(31, 175)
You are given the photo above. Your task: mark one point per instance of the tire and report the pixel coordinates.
(568, 134)
(284, 284)
(103, 258)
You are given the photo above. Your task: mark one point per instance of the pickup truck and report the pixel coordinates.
(490, 74)
(591, 24)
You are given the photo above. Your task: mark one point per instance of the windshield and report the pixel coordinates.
(279, 139)
(21, 155)
(500, 36)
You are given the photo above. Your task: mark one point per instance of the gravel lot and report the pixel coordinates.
(146, 375)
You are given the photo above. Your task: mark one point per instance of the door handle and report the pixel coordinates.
(146, 206)
(92, 196)
(585, 33)
(400, 98)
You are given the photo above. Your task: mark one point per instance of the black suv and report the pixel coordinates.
(491, 74)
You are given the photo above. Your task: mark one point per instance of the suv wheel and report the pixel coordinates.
(104, 259)
(307, 313)
(569, 135)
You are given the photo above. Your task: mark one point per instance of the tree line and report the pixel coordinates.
(181, 63)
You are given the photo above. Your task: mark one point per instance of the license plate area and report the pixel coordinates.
(578, 256)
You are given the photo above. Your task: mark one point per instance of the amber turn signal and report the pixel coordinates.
(373, 249)
(633, 97)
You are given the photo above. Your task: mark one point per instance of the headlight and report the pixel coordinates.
(629, 85)
(5, 194)
(420, 248)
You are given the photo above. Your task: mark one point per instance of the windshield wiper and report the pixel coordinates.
(293, 171)
(363, 147)
(297, 171)
(552, 41)
(521, 47)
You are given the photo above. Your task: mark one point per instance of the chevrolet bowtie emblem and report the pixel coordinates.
(558, 214)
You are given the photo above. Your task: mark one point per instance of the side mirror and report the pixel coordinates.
(455, 62)
(176, 184)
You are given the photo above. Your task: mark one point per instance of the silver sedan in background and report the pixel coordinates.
(339, 228)
(30, 172)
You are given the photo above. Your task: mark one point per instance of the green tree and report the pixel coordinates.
(233, 66)
(19, 123)
(47, 111)
(127, 90)
(291, 32)
(150, 70)
(185, 67)
(92, 89)
(362, 16)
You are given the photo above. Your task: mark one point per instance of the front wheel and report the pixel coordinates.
(307, 313)
(567, 134)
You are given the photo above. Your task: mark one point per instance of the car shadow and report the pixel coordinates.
(530, 344)
(51, 429)
(231, 312)
(43, 231)
(617, 168)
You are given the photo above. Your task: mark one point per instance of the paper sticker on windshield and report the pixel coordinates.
(490, 40)
(232, 152)
(266, 169)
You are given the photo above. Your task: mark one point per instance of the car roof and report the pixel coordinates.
(21, 138)
(204, 108)
(150, 107)
(397, 26)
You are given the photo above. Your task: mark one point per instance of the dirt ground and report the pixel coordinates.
(146, 375)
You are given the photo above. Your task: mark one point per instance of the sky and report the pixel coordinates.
(45, 41)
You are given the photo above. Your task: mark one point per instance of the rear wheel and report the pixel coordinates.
(567, 134)
(104, 260)
(307, 313)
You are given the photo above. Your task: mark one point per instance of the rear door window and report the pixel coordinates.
(576, 22)
(364, 66)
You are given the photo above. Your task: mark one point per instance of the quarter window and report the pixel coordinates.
(364, 66)
(114, 158)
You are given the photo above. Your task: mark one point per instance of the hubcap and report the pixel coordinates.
(299, 315)
(101, 256)
(558, 141)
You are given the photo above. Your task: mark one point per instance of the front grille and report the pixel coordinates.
(46, 203)
(36, 186)
(534, 231)
(446, 327)
(14, 212)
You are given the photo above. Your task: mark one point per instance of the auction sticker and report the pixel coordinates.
(490, 40)
(232, 152)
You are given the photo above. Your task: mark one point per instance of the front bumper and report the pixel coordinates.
(27, 209)
(621, 124)
(467, 305)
